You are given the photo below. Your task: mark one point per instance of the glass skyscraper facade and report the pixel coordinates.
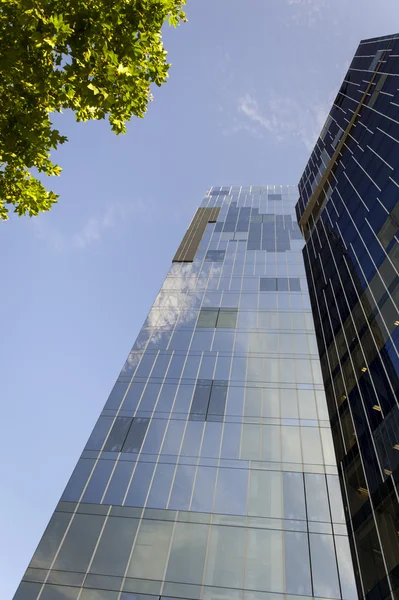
(211, 472)
(349, 213)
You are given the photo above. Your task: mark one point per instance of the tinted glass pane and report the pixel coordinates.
(295, 284)
(80, 541)
(268, 284)
(98, 481)
(225, 560)
(151, 550)
(187, 557)
(136, 435)
(200, 401)
(227, 318)
(139, 486)
(217, 402)
(115, 545)
(50, 541)
(207, 317)
(118, 434)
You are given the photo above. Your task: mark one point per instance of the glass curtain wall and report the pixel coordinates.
(349, 213)
(211, 472)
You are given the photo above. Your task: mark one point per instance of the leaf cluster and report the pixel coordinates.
(95, 57)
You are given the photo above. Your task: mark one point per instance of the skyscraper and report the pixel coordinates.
(349, 213)
(211, 472)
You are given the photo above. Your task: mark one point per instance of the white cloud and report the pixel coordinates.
(284, 118)
(92, 230)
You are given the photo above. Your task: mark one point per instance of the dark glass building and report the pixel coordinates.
(348, 212)
(211, 471)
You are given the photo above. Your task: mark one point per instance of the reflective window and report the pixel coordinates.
(117, 434)
(150, 552)
(136, 435)
(116, 542)
(187, 554)
(79, 543)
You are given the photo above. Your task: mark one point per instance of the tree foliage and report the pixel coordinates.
(96, 57)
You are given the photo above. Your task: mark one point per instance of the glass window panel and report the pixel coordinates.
(200, 401)
(115, 397)
(253, 402)
(133, 396)
(223, 341)
(180, 340)
(304, 372)
(59, 592)
(50, 541)
(98, 481)
(192, 438)
(161, 337)
(270, 403)
(151, 550)
(322, 405)
(311, 445)
(328, 447)
(265, 560)
(191, 366)
(160, 487)
(208, 317)
(225, 560)
(78, 480)
(231, 440)
(227, 318)
(324, 566)
(202, 341)
(217, 402)
(94, 595)
(99, 433)
(166, 397)
(182, 488)
(271, 443)
(161, 364)
(173, 437)
(265, 494)
(183, 399)
(295, 284)
(153, 440)
(79, 543)
(146, 363)
(347, 577)
(294, 496)
(211, 441)
(307, 404)
(115, 545)
(149, 397)
(223, 367)
(291, 444)
(316, 497)
(336, 504)
(27, 591)
(119, 482)
(136, 435)
(289, 404)
(297, 567)
(204, 489)
(231, 492)
(140, 484)
(250, 442)
(282, 284)
(268, 284)
(187, 555)
(239, 368)
(176, 365)
(118, 434)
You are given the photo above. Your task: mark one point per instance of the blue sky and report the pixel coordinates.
(250, 86)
